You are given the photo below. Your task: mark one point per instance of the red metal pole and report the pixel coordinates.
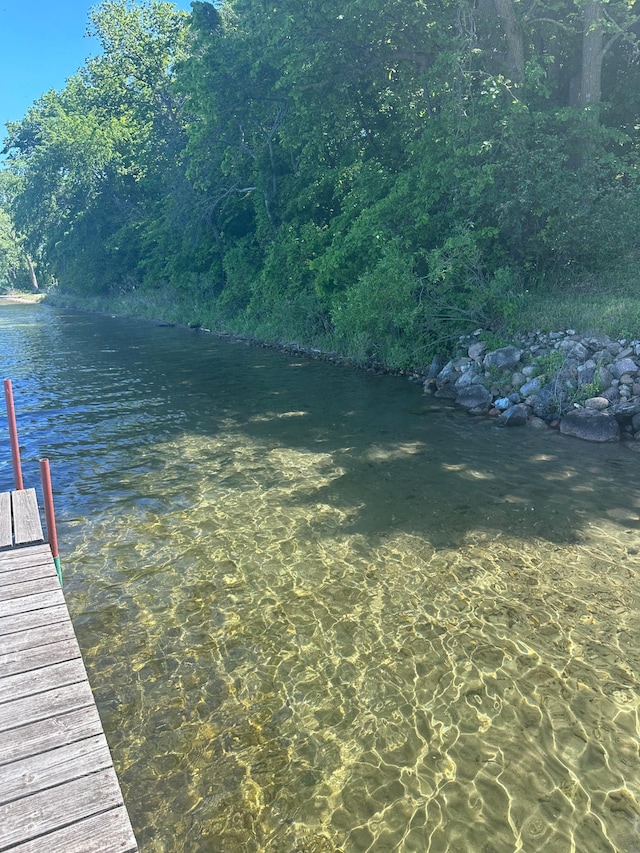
(13, 434)
(49, 514)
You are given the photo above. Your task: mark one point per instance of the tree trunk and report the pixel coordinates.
(513, 34)
(32, 273)
(592, 54)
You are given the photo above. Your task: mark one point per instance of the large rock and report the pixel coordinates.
(624, 365)
(476, 398)
(590, 425)
(469, 377)
(597, 403)
(514, 416)
(506, 358)
(531, 386)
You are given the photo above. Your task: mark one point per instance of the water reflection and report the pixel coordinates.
(319, 615)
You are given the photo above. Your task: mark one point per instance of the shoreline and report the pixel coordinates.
(584, 385)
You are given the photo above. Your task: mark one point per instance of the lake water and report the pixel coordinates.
(322, 613)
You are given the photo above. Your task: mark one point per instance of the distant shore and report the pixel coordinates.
(21, 298)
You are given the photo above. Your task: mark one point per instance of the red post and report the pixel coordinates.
(49, 513)
(13, 434)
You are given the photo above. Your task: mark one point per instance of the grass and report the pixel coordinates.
(608, 302)
(605, 303)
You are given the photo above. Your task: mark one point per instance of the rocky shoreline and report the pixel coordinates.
(587, 386)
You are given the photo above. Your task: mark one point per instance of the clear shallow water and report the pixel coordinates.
(321, 614)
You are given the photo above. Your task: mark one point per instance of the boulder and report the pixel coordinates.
(622, 366)
(626, 410)
(531, 386)
(506, 358)
(448, 374)
(476, 398)
(448, 391)
(469, 377)
(536, 423)
(516, 415)
(590, 425)
(598, 403)
(476, 350)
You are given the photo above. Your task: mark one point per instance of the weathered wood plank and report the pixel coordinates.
(29, 603)
(39, 772)
(51, 733)
(40, 680)
(54, 703)
(33, 619)
(26, 660)
(6, 531)
(20, 558)
(25, 819)
(25, 640)
(103, 833)
(27, 526)
(30, 573)
(34, 587)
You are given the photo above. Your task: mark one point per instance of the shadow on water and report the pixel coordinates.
(108, 387)
(322, 613)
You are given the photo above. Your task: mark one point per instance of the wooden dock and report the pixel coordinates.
(58, 789)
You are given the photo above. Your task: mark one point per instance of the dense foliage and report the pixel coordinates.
(374, 175)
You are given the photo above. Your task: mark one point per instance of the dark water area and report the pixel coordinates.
(320, 612)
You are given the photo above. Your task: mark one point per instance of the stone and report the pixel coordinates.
(598, 403)
(436, 366)
(590, 425)
(586, 373)
(518, 379)
(469, 377)
(626, 410)
(505, 358)
(502, 403)
(531, 386)
(536, 423)
(514, 416)
(624, 365)
(635, 423)
(574, 349)
(447, 374)
(611, 394)
(448, 390)
(605, 376)
(476, 350)
(542, 404)
(476, 398)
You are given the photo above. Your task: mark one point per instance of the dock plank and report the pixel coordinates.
(30, 709)
(51, 733)
(27, 660)
(103, 833)
(25, 639)
(20, 558)
(27, 526)
(64, 764)
(22, 575)
(6, 528)
(41, 680)
(32, 587)
(26, 819)
(26, 603)
(32, 619)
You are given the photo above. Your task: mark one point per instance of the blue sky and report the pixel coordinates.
(42, 44)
